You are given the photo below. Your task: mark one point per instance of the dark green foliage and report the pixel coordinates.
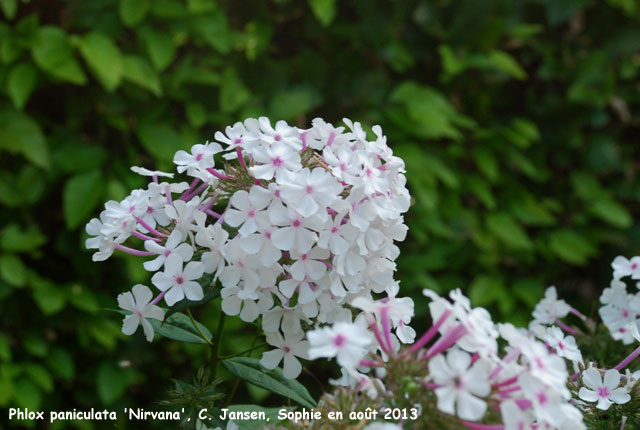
(518, 121)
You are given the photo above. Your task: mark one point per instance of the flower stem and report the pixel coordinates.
(132, 251)
(149, 228)
(218, 340)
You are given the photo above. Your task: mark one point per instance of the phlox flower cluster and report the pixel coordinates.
(539, 381)
(620, 309)
(296, 225)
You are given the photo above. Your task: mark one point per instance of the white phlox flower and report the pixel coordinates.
(138, 303)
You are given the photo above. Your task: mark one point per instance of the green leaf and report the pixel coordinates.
(112, 382)
(49, 297)
(81, 194)
(19, 133)
(104, 59)
(12, 270)
(61, 363)
(612, 212)
(508, 231)
(571, 247)
(138, 71)
(214, 29)
(233, 93)
(486, 162)
(160, 46)
(27, 394)
(201, 6)
(486, 290)
(179, 327)
(507, 64)
(14, 239)
(290, 104)
(160, 140)
(133, 12)
(196, 114)
(323, 10)
(21, 82)
(52, 52)
(9, 8)
(5, 348)
(250, 370)
(40, 375)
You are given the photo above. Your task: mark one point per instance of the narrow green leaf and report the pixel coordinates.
(179, 327)
(112, 381)
(21, 82)
(612, 212)
(250, 370)
(61, 363)
(214, 29)
(323, 10)
(49, 297)
(138, 71)
(81, 194)
(52, 52)
(133, 12)
(104, 59)
(40, 375)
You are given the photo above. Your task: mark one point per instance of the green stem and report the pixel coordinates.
(243, 352)
(216, 347)
(197, 327)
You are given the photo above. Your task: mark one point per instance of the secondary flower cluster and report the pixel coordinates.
(462, 373)
(621, 310)
(296, 225)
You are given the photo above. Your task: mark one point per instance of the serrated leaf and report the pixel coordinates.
(21, 82)
(104, 59)
(179, 327)
(19, 133)
(138, 71)
(133, 12)
(508, 231)
(323, 10)
(250, 370)
(80, 195)
(52, 52)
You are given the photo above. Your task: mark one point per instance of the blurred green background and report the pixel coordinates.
(518, 121)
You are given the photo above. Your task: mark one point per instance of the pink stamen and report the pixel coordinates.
(446, 341)
(384, 316)
(194, 183)
(241, 158)
(373, 325)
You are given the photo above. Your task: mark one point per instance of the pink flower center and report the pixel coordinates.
(634, 266)
(199, 156)
(179, 280)
(625, 313)
(277, 138)
(603, 392)
(251, 213)
(286, 349)
(457, 382)
(167, 253)
(309, 189)
(339, 340)
(304, 257)
(334, 229)
(561, 346)
(539, 363)
(296, 223)
(238, 141)
(277, 162)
